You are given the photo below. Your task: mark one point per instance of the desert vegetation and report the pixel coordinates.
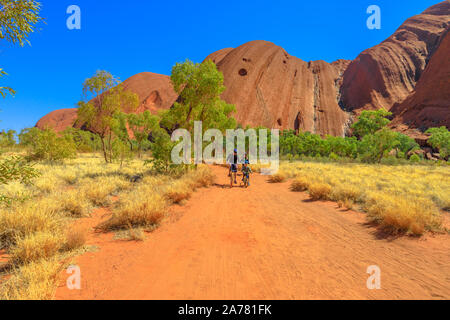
(402, 199)
(120, 161)
(38, 229)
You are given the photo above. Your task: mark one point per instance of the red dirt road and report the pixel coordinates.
(264, 242)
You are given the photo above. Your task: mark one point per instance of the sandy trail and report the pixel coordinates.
(264, 242)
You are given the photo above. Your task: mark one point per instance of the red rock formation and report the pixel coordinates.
(387, 73)
(271, 88)
(59, 120)
(155, 93)
(429, 104)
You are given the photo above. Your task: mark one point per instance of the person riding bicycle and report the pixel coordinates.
(233, 161)
(246, 170)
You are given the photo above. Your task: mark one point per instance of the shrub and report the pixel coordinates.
(75, 238)
(277, 178)
(34, 281)
(16, 169)
(401, 215)
(319, 191)
(300, 184)
(414, 158)
(440, 139)
(30, 218)
(137, 210)
(46, 145)
(33, 247)
(178, 192)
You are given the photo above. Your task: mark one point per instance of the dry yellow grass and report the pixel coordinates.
(75, 238)
(277, 177)
(24, 220)
(35, 232)
(319, 191)
(137, 210)
(35, 281)
(178, 192)
(299, 184)
(34, 247)
(401, 198)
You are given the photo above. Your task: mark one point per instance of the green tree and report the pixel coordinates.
(47, 145)
(162, 147)
(108, 99)
(406, 144)
(28, 135)
(373, 147)
(142, 125)
(7, 138)
(199, 87)
(85, 141)
(440, 139)
(17, 20)
(370, 122)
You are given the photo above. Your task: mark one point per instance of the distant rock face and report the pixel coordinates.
(408, 74)
(387, 73)
(155, 93)
(271, 88)
(58, 120)
(429, 104)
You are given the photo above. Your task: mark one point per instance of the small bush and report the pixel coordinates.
(17, 223)
(412, 216)
(34, 281)
(34, 247)
(46, 145)
(178, 192)
(414, 158)
(277, 178)
(138, 210)
(319, 191)
(75, 239)
(300, 184)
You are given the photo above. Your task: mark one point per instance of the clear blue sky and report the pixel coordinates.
(128, 37)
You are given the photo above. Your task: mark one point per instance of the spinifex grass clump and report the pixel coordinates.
(402, 199)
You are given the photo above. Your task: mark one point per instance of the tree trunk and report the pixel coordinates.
(104, 149)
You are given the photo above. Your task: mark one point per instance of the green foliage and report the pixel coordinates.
(17, 21)
(162, 146)
(85, 141)
(102, 114)
(414, 158)
(199, 87)
(374, 146)
(28, 135)
(16, 169)
(376, 141)
(5, 90)
(121, 151)
(47, 145)
(142, 125)
(440, 139)
(7, 138)
(370, 122)
(406, 144)
(309, 144)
